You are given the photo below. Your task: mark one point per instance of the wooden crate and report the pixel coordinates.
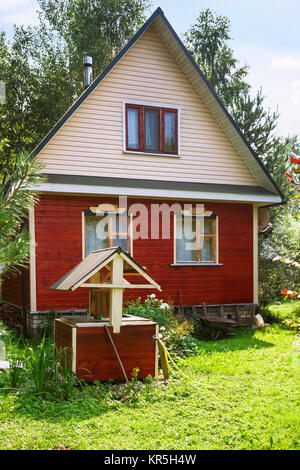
(92, 355)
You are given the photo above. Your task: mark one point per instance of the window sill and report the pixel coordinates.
(196, 264)
(153, 154)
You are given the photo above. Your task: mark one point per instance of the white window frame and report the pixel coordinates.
(129, 233)
(215, 262)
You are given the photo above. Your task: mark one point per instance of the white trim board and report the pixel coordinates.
(255, 253)
(163, 193)
(32, 260)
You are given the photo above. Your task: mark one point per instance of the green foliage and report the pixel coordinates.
(256, 122)
(153, 308)
(16, 354)
(39, 363)
(292, 325)
(64, 374)
(16, 198)
(281, 311)
(208, 41)
(285, 242)
(177, 337)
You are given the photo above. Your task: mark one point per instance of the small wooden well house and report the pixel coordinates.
(107, 344)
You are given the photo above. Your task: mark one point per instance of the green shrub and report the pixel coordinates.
(63, 373)
(292, 325)
(154, 309)
(281, 311)
(177, 337)
(285, 242)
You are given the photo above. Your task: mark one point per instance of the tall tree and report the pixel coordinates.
(99, 28)
(208, 41)
(43, 66)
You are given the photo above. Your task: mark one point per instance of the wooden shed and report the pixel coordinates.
(107, 345)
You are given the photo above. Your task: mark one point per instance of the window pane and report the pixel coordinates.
(133, 128)
(120, 231)
(207, 226)
(94, 239)
(151, 129)
(169, 132)
(206, 252)
(185, 239)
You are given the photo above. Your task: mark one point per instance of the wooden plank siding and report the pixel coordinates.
(91, 141)
(96, 360)
(59, 249)
(12, 289)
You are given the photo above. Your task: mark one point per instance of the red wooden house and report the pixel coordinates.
(149, 128)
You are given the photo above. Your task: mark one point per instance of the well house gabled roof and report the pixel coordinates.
(201, 85)
(97, 260)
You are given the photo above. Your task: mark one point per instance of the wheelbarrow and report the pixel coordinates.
(214, 327)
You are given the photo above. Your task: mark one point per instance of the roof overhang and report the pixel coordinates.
(76, 184)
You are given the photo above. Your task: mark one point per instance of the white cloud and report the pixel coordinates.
(12, 4)
(26, 17)
(296, 94)
(20, 12)
(285, 63)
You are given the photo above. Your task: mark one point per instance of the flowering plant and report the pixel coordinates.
(177, 337)
(294, 187)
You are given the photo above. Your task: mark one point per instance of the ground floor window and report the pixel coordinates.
(106, 230)
(196, 238)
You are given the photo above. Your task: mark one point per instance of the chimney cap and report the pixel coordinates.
(87, 60)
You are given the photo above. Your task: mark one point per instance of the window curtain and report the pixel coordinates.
(185, 239)
(170, 132)
(151, 128)
(92, 239)
(133, 128)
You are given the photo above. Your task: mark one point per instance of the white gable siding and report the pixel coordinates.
(91, 141)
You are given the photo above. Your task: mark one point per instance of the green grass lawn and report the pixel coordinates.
(243, 393)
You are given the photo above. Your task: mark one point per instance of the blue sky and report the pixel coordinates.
(265, 36)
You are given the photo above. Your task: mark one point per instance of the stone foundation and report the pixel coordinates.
(37, 323)
(242, 314)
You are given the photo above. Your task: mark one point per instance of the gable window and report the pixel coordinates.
(151, 129)
(106, 231)
(196, 239)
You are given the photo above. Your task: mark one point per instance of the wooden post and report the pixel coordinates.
(164, 361)
(116, 294)
(221, 311)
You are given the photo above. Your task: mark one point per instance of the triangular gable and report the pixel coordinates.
(201, 85)
(93, 263)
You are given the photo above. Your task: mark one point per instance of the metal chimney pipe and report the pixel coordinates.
(88, 71)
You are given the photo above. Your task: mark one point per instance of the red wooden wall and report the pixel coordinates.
(12, 289)
(58, 220)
